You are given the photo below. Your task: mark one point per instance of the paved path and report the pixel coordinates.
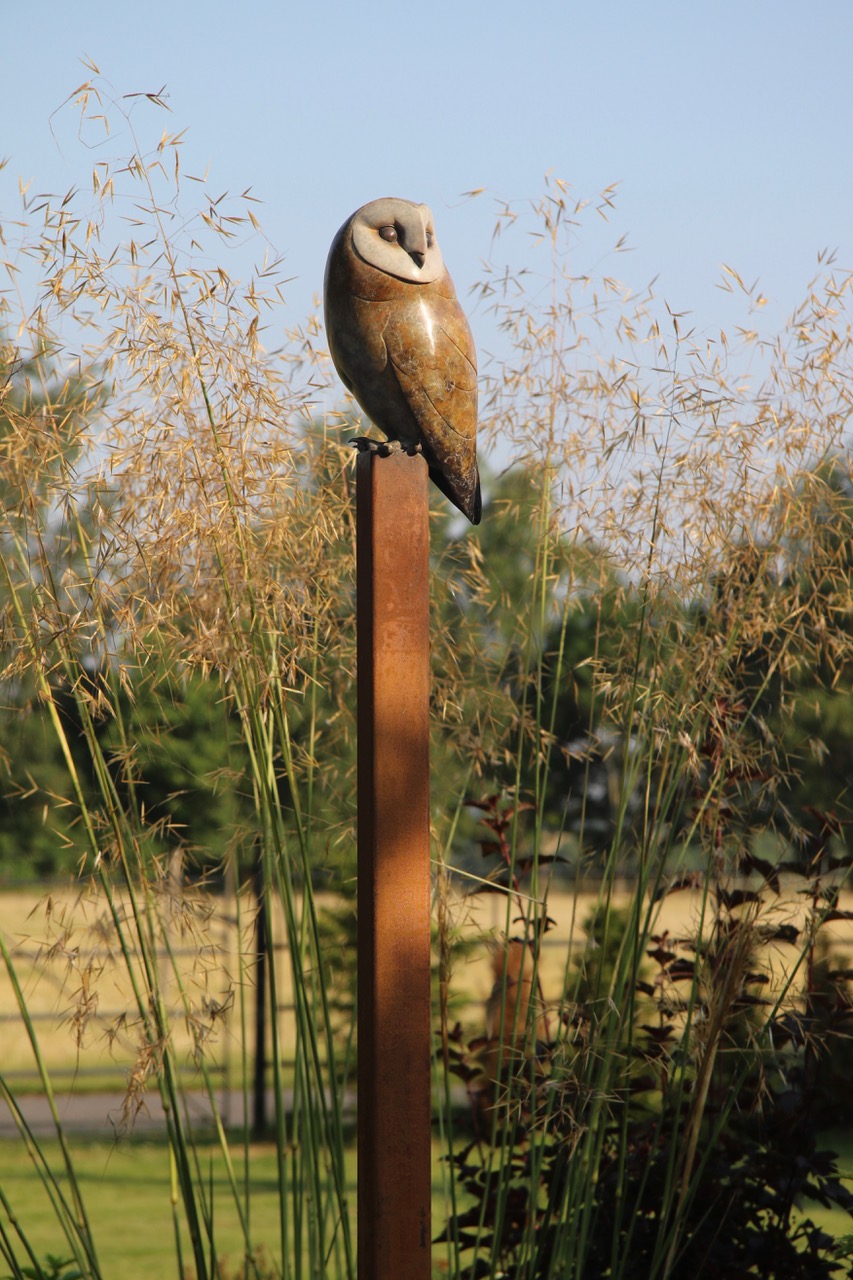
(99, 1115)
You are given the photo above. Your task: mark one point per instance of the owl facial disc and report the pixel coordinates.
(398, 237)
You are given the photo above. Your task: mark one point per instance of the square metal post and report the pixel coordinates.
(394, 1114)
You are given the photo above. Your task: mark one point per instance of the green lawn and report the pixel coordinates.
(834, 1220)
(126, 1188)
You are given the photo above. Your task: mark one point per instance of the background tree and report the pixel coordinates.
(818, 736)
(48, 527)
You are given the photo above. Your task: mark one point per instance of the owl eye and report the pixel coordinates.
(430, 239)
(389, 234)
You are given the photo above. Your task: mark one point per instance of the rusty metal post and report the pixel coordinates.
(394, 1115)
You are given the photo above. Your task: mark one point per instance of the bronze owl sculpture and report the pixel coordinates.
(401, 343)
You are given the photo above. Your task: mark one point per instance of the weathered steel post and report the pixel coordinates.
(394, 1115)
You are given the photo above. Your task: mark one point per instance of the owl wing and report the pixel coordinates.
(432, 356)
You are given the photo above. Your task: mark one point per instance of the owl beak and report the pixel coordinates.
(417, 258)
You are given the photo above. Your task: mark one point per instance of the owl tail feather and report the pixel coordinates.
(467, 500)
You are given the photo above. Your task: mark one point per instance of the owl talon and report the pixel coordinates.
(385, 448)
(364, 444)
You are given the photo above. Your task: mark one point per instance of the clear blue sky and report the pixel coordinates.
(727, 123)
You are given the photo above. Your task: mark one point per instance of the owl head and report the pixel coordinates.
(398, 238)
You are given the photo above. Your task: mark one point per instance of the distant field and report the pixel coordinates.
(78, 991)
(77, 988)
